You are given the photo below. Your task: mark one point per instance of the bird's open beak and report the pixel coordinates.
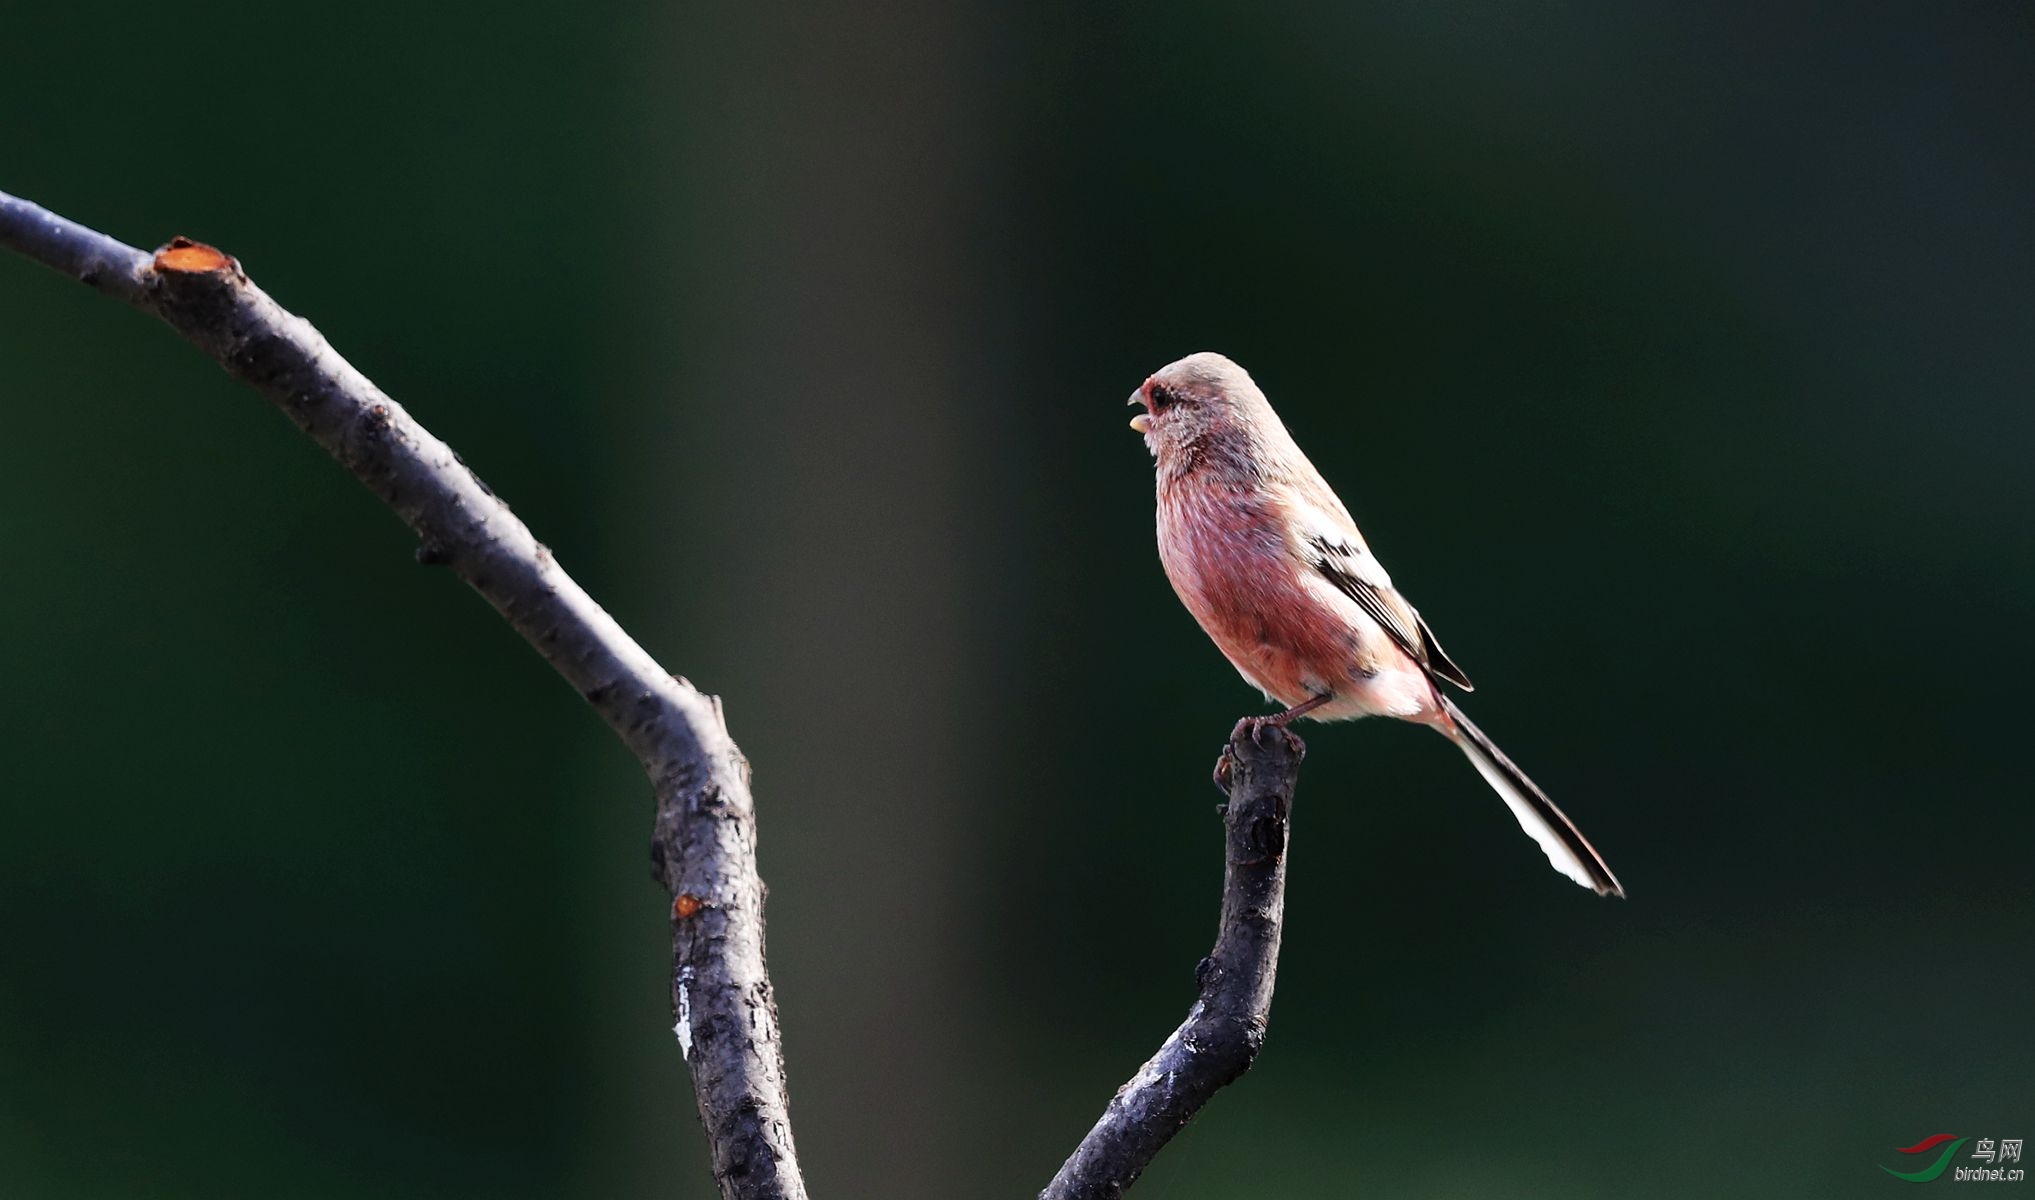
(1143, 421)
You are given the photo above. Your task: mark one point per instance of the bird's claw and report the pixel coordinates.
(1256, 727)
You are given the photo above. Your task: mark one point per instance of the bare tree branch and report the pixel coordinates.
(1226, 1026)
(704, 849)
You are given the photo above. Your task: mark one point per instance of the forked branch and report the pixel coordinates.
(704, 847)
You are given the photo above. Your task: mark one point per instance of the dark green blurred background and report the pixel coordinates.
(1677, 358)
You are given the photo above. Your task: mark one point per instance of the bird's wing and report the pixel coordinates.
(1334, 548)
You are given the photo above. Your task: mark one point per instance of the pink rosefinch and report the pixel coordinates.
(1269, 562)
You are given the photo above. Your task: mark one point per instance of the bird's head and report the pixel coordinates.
(1188, 402)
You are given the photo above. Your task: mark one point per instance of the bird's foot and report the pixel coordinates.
(1258, 725)
(1255, 728)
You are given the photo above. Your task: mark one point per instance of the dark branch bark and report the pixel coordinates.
(1223, 1031)
(704, 847)
(704, 850)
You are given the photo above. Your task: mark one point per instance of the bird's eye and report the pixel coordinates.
(1162, 397)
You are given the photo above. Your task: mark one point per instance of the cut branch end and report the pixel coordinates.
(184, 256)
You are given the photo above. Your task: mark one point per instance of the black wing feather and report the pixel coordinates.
(1418, 641)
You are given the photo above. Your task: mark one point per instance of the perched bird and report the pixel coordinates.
(1269, 562)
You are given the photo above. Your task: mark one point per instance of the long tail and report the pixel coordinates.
(1565, 846)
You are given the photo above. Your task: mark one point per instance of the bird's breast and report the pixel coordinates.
(1229, 558)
